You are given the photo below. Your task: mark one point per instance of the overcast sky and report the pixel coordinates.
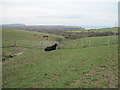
(61, 12)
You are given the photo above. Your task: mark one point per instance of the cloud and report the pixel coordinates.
(71, 12)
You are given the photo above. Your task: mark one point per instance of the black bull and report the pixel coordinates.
(51, 48)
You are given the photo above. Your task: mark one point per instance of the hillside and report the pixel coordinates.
(41, 28)
(12, 25)
(26, 38)
(90, 62)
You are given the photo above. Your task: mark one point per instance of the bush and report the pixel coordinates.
(58, 40)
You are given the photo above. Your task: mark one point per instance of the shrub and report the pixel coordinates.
(58, 40)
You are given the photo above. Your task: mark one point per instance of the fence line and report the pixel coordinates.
(90, 41)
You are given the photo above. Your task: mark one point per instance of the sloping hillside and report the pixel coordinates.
(81, 63)
(26, 38)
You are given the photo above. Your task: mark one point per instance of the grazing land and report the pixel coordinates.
(114, 29)
(90, 62)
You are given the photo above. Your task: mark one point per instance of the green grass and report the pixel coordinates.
(90, 41)
(95, 30)
(10, 34)
(26, 38)
(60, 68)
(81, 63)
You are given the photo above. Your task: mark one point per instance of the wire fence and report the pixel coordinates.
(89, 41)
(65, 43)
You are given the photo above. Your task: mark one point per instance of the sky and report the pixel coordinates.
(60, 12)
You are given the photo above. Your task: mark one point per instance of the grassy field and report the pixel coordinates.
(96, 30)
(81, 63)
(26, 38)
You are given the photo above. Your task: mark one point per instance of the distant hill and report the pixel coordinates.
(12, 25)
(41, 28)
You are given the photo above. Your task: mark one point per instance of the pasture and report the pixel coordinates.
(90, 62)
(114, 29)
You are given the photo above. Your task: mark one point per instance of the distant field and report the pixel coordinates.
(95, 30)
(81, 63)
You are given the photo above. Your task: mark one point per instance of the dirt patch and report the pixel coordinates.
(19, 49)
(13, 51)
